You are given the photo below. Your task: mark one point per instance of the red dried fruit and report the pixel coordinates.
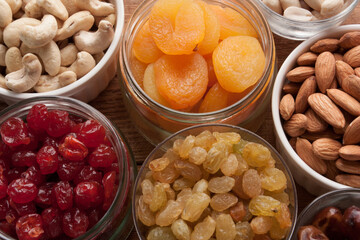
(58, 123)
(3, 187)
(94, 216)
(72, 149)
(37, 117)
(63, 194)
(22, 190)
(47, 158)
(8, 228)
(103, 156)
(91, 133)
(23, 209)
(30, 227)
(33, 174)
(5, 150)
(14, 173)
(88, 194)
(14, 132)
(87, 174)
(4, 208)
(74, 222)
(52, 218)
(44, 196)
(48, 141)
(69, 170)
(108, 182)
(23, 159)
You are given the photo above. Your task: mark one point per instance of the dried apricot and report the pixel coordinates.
(137, 69)
(181, 80)
(215, 99)
(144, 47)
(211, 71)
(177, 26)
(239, 63)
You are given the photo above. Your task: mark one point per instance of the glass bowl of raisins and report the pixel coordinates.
(214, 181)
(66, 172)
(334, 215)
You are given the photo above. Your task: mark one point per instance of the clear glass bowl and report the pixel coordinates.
(156, 122)
(341, 199)
(195, 130)
(116, 222)
(299, 30)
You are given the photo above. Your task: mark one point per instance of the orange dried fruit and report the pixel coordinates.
(137, 69)
(238, 62)
(181, 80)
(177, 26)
(144, 47)
(211, 72)
(215, 99)
(212, 30)
(232, 23)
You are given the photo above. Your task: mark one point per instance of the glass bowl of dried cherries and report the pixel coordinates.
(66, 172)
(214, 181)
(334, 215)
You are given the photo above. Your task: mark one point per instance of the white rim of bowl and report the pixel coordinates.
(76, 86)
(277, 92)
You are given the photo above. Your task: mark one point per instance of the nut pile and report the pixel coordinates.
(321, 108)
(307, 10)
(49, 44)
(214, 186)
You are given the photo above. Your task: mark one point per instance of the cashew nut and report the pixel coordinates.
(2, 82)
(11, 32)
(79, 21)
(96, 7)
(95, 42)
(6, 14)
(273, 5)
(54, 7)
(19, 14)
(3, 50)
(70, 6)
(331, 7)
(49, 54)
(111, 18)
(13, 59)
(48, 83)
(82, 65)
(98, 57)
(298, 14)
(25, 78)
(68, 54)
(315, 4)
(33, 10)
(15, 5)
(289, 3)
(40, 35)
(24, 3)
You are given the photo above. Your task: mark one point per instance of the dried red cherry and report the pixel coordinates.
(58, 123)
(23, 159)
(48, 141)
(86, 174)
(30, 227)
(63, 195)
(72, 149)
(4, 208)
(69, 170)
(33, 174)
(15, 173)
(3, 187)
(108, 182)
(47, 158)
(14, 132)
(8, 228)
(22, 190)
(52, 218)
(88, 195)
(91, 133)
(103, 156)
(74, 222)
(44, 196)
(23, 208)
(37, 117)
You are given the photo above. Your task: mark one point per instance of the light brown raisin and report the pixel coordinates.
(204, 230)
(144, 213)
(222, 201)
(222, 184)
(225, 227)
(195, 206)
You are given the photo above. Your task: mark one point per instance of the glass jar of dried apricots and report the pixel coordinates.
(188, 62)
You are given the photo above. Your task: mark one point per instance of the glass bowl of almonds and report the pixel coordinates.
(316, 110)
(214, 181)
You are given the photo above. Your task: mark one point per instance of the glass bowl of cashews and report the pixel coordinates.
(58, 47)
(301, 19)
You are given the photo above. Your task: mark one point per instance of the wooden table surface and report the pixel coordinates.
(111, 105)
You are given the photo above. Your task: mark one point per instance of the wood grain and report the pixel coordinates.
(111, 105)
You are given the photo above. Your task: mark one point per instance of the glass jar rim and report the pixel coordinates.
(267, 40)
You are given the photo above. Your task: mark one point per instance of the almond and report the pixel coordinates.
(357, 71)
(299, 74)
(307, 59)
(291, 88)
(328, 133)
(314, 122)
(323, 45)
(352, 132)
(345, 101)
(305, 152)
(348, 166)
(351, 85)
(332, 170)
(350, 152)
(334, 84)
(349, 180)
(348, 119)
(326, 148)
(350, 40)
(352, 57)
(307, 88)
(326, 109)
(343, 70)
(287, 106)
(292, 142)
(296, 126)
(325, 70)
(338, 56)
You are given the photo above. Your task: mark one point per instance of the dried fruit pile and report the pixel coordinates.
(214, 185)
(331, 223)
(58, 174)
(194, 56)
(321, 108)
